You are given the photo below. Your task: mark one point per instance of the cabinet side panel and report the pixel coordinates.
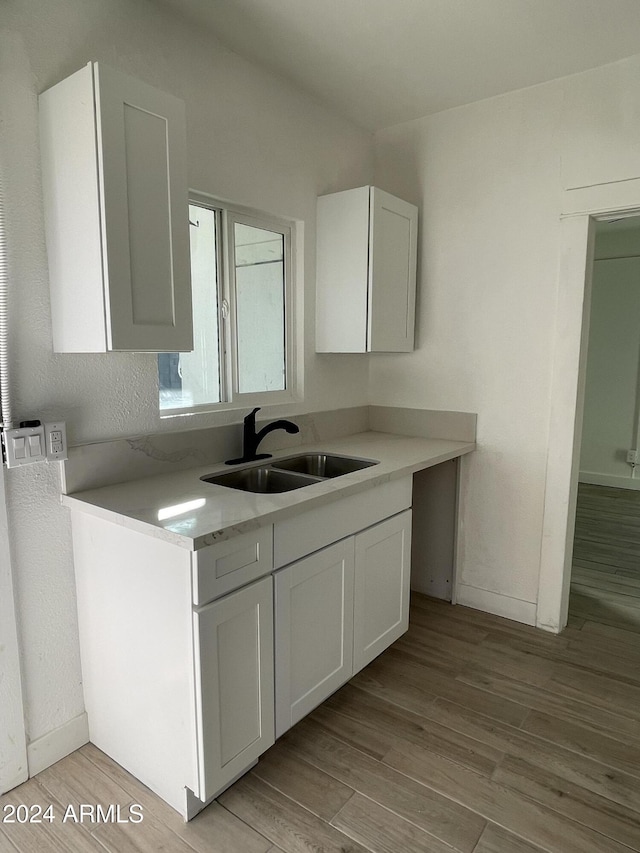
(142, 153)
(392, 273)
(341, 278)
(136, 643)
(72, 214)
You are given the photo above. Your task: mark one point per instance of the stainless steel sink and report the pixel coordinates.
(285, 475)
(323, 465)
(262, 480)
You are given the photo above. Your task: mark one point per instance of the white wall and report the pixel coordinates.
(253, 140)
(489, 179)
(609, 427)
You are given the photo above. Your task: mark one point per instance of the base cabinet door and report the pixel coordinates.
(381, 596)
(314, 631)
(234, 684)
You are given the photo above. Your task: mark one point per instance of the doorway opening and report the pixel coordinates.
(582, 209)
(605, 570)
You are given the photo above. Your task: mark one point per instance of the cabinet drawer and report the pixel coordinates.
(296, 537)
(231, 564)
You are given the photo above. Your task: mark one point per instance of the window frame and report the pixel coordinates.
(226, 216)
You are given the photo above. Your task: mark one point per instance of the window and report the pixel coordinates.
(240, 280)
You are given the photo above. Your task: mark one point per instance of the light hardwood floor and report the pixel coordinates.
(472, 733)
(605, 578)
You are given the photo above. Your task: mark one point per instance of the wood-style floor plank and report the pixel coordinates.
(597, 688)
(577, 738)
(128, 838)
(606, 635)
(53, 836)
(618, 786)
(214, 830)
(495, 839)
(285, 823)
(424, 731)
(605, 580)
(599, 719)
(379, 829)
(311, 788)
(572, 801)
(76, 781)
(445, 820)
(459, 629)
(613, 613)
(415, 685)
(534, 822)
(501, 657)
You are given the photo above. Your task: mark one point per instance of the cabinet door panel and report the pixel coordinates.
(382, 577)
(392, 273)
(142, 153)
(314, 631)
(234, 638)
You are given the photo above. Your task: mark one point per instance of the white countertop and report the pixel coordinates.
(220, 512)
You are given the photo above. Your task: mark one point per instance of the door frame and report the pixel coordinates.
(581, 208)
(13, 745)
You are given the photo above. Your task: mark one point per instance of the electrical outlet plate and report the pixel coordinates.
(24, 446)
(55, 441)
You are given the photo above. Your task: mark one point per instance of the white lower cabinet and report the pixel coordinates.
(182, 696)
(187, 676)
(335, 611)
(381, 591)
(234, 683)
(314, 631)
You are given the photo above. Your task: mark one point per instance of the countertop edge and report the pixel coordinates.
(345, 486)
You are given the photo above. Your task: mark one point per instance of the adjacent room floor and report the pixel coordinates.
(471, 733)
(605, 579)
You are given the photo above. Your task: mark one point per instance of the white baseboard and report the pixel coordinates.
(613, 480)
(49, 748)
(499, 605)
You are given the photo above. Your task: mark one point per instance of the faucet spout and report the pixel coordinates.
(288, 426)
(251, 439)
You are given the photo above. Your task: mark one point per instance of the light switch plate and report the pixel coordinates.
(24, 446)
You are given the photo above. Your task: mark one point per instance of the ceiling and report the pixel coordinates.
(381, 62)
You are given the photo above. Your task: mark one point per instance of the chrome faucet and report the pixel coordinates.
(251, 439)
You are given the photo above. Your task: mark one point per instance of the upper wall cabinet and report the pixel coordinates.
(366, 280)
(116, 214)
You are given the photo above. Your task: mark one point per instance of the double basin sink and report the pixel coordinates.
(285, 475)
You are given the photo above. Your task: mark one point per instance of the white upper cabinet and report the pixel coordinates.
(366, 272)
(116, 214)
